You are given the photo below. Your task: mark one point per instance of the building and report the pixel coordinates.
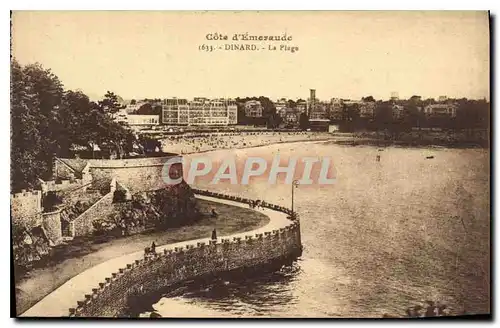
(333, 128)
(442, 98)
(280, 104)
(175, 112)
(366, 109)
(143, 120)
(301, 106)
(130, 108)
(311, 100)
(253, 108)
(136, 121)
(200, 111)
(441, 110)
(282, 112)
(312, 93)
(336, 109)
(232, 112)
(291, 117)
(318, 111)
(121, 116)
(208, 112)
(397, 111)
(319, 124)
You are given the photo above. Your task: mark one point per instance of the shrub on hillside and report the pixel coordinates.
(119, 196)
(159, 209)
(29, 246)
(50, 201)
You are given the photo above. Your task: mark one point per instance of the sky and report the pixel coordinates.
(154, 54)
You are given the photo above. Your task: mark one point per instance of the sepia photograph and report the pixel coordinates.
(250, 164)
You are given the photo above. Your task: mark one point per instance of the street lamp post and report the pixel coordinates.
(295, 183)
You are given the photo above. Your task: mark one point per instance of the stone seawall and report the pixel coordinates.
(172, 266)
(141, 174)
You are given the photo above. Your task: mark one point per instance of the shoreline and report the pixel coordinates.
(341, 139)
(407, 144)
(207, 143)
(260, 146)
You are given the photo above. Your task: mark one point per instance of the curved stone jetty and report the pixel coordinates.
(85, 294)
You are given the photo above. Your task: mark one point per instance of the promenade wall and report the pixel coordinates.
(150, 274)
(141, 174)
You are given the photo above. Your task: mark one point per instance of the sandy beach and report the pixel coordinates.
(208, 142)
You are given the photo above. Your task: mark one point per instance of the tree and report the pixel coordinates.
(47, 120)
(291, 103)
(157, 110)
(146, 109)
(110, 104)
(73, 123)
(149, 144)
(89, 124)
(368, 99)
(114, 137)
(473, 114)
(351, 112)
(415, 99)
(274, 121)
(304, 121)
(133, 102)
(383, 114)
(268, 107)
(36, 94)
(411, 117)
(428, 101)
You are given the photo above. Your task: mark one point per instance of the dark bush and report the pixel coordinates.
(50, 201)
(119, 196)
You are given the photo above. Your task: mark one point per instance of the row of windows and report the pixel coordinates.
(200, 102)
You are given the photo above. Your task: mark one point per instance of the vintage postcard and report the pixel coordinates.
(253, 164)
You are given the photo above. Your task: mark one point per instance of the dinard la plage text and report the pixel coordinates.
(247, 42)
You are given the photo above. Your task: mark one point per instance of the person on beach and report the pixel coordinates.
(153, 248)
(431, 309)
(214, 234)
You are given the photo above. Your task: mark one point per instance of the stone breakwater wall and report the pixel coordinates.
(173, 266)
(140, 174)
(137, 174)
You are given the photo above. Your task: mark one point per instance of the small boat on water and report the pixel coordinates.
(429, 157)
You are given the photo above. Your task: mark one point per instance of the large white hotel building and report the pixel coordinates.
(199, 111)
